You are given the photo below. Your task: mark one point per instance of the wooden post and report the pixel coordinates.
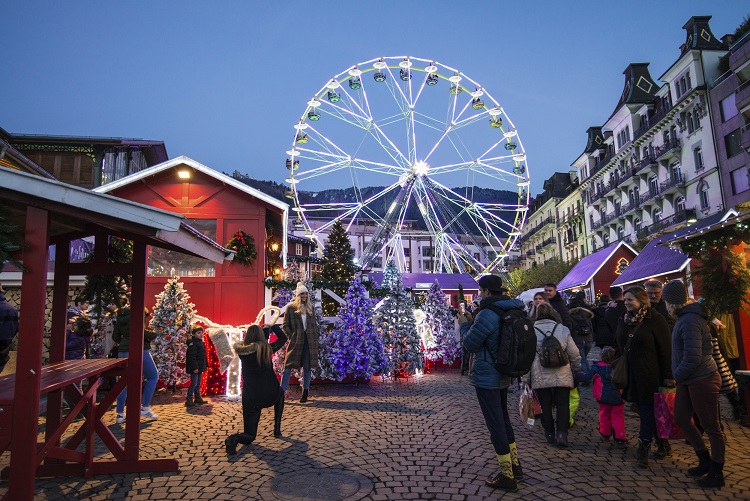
(135, 354)
(29, 362)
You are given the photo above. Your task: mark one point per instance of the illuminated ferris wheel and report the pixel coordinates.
(406, 139)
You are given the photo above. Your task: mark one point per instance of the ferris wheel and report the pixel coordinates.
(410, 145)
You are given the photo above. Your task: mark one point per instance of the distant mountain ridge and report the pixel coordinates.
(277, 190)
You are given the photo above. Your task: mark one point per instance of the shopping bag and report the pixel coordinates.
(526, 405)
(575, 399)
(666, 427)
(536, 404)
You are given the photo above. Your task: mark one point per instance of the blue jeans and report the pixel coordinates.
(195, 385)
(151, 375)
(307, 372)
(584, 348)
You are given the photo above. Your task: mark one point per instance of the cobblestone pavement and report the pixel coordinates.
(422, 438)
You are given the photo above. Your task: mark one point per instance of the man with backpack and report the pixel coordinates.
(583, 333)
(482, 339)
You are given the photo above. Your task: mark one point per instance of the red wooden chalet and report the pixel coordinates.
(218, 206)
(51, 212)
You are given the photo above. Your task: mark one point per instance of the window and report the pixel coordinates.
(698, 157)
(165, 263)
(377, 262)
(740, 181)
(676, 172)
(690, 123)
(637, 224)
(653, 186)
(728, 108)
(680, 205)
(476, 256)
(620, 233)
(427, 265)
(298, 249)
(407, 252)
(732, 143)
(656, 215)
(697, 118)
(428, 252)
(703, 195)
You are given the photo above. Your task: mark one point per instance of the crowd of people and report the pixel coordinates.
(669, 342)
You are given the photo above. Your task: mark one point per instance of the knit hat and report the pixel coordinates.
(301, 289)
(493, 283)
(675, 292)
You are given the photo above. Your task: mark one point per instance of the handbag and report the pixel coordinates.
(666, 427)
(526, 404)
(728, 383)
(620, 367)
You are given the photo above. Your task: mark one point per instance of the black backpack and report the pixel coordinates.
(581, 326)
(552, 353)
(517, 343)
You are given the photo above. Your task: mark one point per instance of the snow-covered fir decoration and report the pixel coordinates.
(292, 272)
(171, 320)
(399, 329)
(446, 345)
(354, 347)
(389, 276)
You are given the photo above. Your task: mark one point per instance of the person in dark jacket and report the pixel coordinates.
(603, 335)
(698, 383)
(615, 310)
(481, 339)
(582, 331)
(609, 398)
(260, 387)
(77, 338)
(654, 290)
(578, 301)
(558, 304)
(121, 336)
(8, 328)
(649, 365)
(195, 365)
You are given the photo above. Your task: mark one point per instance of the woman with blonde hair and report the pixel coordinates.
(260, 388)
(698, 382)
(301, 328)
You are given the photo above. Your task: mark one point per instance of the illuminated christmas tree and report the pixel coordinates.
(445, 345)
(354, 347)
(390, 275)
(399, 328)
(171, 320)
(337, 264)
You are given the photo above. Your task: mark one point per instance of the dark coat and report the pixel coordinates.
(295, 332)
(582, 317)
(260, 387)
(613, 316)
(650, 359)
(8, 319)
(610, 394)
(482, 336)
(603, 335)
(692, 350)
(195, 356)
(661, 307)
(121, 332)
(75, 345)
(559, 305)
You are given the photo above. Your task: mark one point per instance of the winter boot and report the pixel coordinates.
(199, 400)
(304, 397)
(278, 411)
(515, 463)
(562, 438)
(503, 480)
(189, 402)
(715, 477)
(664, 450)
(704, 464)
(231, 444)
(641, 455)
(549, 434)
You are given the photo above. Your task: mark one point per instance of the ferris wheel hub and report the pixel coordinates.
(420, 168)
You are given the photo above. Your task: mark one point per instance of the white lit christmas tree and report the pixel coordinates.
(390, 275)
(171, 320)
(399, 328)
(445, 345)
(354, 347)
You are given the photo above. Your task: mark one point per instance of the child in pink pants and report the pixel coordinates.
(611, 404)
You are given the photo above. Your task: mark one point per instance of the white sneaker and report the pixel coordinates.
(120, 418)
(148, 413)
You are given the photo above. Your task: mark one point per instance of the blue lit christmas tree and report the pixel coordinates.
(445, 345)
(354, 347)
(399, 328)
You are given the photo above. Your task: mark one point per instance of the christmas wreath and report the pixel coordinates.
(243, 246)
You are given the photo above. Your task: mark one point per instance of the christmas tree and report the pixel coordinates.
(171, 320)
(337, 264)
(399, 328)
(354, 347)
(445, 345)
(390, 275)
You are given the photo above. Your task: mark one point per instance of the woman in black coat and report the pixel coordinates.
(260, 388)
(649, 365)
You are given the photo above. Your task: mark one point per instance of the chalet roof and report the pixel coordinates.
(639, 87)
(423, 281)
(183, 160)
(595, 139)
(656, 259)
(698, 35)
(584, 271)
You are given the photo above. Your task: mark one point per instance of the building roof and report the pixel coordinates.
(584, 271)
(183, 160)
(656, 259)
(424, 281)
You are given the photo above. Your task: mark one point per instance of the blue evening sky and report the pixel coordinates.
(223, 82)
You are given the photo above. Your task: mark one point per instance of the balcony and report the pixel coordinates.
(652, 120)
(742, 98)
(626, 177)
(668, 150)
(530, 253)
(646, 163)
(739, 57)
(745, 138)
(672, 184)
(629, 207)
(547, 241)
(662, 225)
(648, 196)
(601, 163)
